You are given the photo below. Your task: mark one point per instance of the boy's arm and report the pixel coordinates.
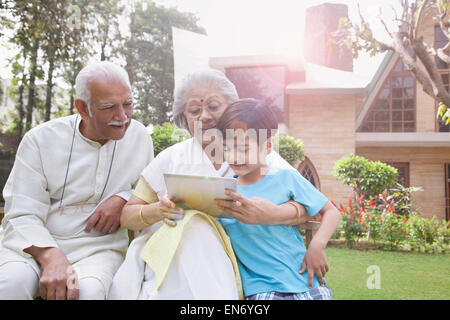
(315, 259)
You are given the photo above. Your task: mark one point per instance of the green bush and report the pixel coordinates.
(290, 149)
(165, 135)
(428, 230)
(364, 176)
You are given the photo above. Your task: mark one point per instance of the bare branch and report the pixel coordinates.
(440, 17)
(440, 53)
(439, 90)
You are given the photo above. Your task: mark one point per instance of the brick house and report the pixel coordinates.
(336, 113)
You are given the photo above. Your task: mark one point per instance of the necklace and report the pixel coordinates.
(70, 157)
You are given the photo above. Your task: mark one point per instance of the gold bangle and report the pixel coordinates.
(142, 218)
(297, 207)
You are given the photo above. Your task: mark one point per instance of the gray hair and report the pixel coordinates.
(206, 77)
(98, 69)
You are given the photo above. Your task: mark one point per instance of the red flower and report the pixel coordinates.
(391, 208)
(371, 204)
(360, 198)
(406, 220)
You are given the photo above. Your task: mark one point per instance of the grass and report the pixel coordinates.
(403, 275)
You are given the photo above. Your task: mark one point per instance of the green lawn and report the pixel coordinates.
(403, 275)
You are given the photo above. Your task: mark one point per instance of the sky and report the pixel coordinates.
(250, 27)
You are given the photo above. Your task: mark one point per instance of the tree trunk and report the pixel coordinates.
(32, 85)
(48, 98)
(20, 106)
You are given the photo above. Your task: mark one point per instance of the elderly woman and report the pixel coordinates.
(201, 267)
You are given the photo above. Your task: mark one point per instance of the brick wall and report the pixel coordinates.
(326, 125)
(426, 170)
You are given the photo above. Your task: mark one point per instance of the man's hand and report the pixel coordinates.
(106, 218)
(316, 262)
(58, 280)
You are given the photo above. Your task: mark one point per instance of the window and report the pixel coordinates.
(403, 172)
(394, 109)
(440, 40)
(261, 82)
(307, 170)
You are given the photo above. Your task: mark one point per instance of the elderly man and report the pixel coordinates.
(63, 199)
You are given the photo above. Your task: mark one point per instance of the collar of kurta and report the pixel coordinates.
(89, 141)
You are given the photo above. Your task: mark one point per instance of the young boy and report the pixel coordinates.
(270, 256)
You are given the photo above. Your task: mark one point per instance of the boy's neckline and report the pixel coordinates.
(269, 172)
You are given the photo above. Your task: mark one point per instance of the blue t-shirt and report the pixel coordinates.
(270, 256)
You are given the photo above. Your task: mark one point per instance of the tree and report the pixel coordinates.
(55, 38)
(365, 177)
(409, 44)
(166, 135)
(148, 52)
(290, 149)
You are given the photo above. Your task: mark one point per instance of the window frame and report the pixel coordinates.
(405, 165)
(261, 67)
(307, 163)
(401, 74)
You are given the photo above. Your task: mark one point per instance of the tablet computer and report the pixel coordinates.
(199, 192)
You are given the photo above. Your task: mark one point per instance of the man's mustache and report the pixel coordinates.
(118, 123)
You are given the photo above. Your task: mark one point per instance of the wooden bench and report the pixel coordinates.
(310, 227)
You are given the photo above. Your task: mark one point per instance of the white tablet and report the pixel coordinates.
(199, 192)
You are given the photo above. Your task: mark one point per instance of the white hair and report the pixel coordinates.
(205, 77)
(94, 70)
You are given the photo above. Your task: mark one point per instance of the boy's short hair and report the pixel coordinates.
(249, 114)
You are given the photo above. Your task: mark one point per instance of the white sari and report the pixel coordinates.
(200, 269)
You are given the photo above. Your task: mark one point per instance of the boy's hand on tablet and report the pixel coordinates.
(250, 211)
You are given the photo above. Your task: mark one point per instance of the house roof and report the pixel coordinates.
(321, 79)
(293, 64)
(375, 84)
(402, 139)
(318, 79)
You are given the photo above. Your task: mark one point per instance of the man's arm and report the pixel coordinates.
(27, 203)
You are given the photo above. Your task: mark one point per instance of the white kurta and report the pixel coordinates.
(200, 269)
(35, 185)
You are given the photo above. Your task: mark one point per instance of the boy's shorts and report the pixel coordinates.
(319, 293)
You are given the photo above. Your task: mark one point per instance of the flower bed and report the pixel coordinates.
(387, 221)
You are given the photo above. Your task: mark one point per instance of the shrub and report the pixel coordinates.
(364, 176)
(353, 221)
(389, 220)
(428, 230)
(290, 149)
(392, 230)
(165, 135)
